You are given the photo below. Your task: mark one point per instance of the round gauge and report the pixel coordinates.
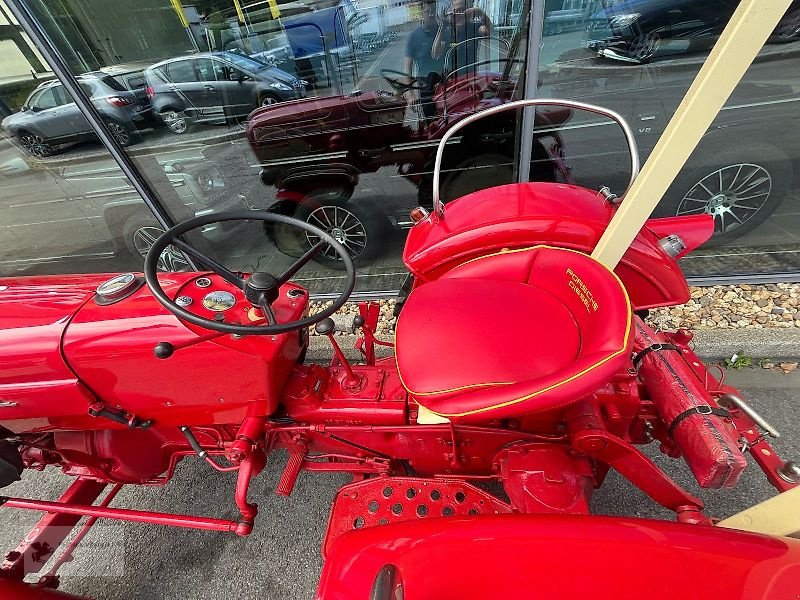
(117, 288)
(116, 284)
(183, 301)
(202, 282)
(219, 301)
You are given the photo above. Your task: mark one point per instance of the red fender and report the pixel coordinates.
(558, 556)
(17, 590)
(568, 216)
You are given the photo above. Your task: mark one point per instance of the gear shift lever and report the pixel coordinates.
(327, 327)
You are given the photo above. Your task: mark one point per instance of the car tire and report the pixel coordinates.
(139, 232)
(35, 145)
(717, 187)
(468, 174)
(359, 225)
(121, 133)
(176, 121)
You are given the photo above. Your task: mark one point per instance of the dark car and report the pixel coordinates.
(129, 76)
(50, 118)
(216, 87)
(638, 30)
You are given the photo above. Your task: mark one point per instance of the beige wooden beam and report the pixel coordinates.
(733, 53)
(779, 515)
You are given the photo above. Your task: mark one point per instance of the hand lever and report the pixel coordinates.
(327, 327)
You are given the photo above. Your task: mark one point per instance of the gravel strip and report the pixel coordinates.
(735, 307)
(716, 307)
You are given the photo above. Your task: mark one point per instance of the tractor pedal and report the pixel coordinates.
(297, 456)
(384, 500)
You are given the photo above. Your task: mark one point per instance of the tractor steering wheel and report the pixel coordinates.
(393, 78)
(261, 289)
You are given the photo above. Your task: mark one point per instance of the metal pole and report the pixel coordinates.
(535, 27)
(55, 60)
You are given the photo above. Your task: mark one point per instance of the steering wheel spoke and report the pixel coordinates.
(268, 312)
(261, 289)
(210, 263)
(300, 262)
(402, 82)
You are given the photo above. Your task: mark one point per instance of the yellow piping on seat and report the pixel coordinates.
(550, 387)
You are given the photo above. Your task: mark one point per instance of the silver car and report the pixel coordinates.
(50, 118)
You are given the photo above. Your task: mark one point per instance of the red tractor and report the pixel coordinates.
(570, 382)
(315, 150)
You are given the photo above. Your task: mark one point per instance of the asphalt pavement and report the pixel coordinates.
(281, 559)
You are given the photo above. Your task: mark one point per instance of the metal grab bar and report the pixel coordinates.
(635, 164)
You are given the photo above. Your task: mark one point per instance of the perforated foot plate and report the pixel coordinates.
(384, 500)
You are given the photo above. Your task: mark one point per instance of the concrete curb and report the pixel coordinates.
(710, 344)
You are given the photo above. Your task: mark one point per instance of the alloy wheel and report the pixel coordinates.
(170, 260)
(732, 195)
(119, 132)
(35, 145)
(268, 101)
(644, 47)
(175, 120)
(343, 226)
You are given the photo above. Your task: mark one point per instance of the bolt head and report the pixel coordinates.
(790, 471)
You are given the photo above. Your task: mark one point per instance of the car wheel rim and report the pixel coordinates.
(175, 121)
(35, 145)
(732, 195)
(645, 46)
(119, 133)
(170, 259)
(343, 226)
(790, 29)
(268, 101)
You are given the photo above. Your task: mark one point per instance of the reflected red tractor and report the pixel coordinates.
(315, 150)
(571, 380)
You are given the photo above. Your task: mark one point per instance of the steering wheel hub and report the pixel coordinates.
(261, 287)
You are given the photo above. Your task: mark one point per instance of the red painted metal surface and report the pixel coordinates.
(123, 514)
(709, 442)
(562, 556)
(232, 400)
(384, 500)
(16, 590)
(34, 312)
(516, 216)
(50, 394)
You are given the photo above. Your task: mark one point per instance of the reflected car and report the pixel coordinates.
(216, 88)
(49, 118)
(84, 211)
(638, 30)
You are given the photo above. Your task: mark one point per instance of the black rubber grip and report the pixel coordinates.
(193, 441)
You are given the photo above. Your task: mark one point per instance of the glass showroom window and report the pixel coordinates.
(326, 111)
(330, 111)
(638, 58)
(59, 211)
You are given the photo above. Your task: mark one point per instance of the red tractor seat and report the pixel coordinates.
(513, 333)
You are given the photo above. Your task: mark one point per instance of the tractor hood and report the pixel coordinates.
(43, 301)
(34, 314)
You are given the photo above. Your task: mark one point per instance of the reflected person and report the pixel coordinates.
(419, 61)
(459, 35)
